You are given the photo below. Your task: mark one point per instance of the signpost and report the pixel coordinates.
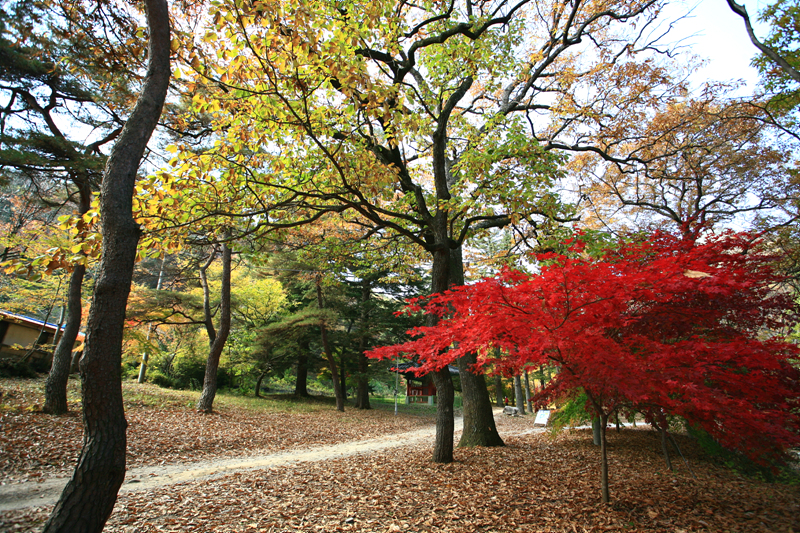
(542, 417)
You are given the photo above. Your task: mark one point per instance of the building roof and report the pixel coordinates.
(407, 369)
(30, 321)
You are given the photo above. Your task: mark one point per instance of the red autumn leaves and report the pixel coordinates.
(667, 325)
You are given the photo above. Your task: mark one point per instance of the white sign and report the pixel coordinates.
(542, 417)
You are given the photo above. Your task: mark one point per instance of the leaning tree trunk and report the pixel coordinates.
(55, 388)
(205, 403)
(258, 384)
(479, 426)
(88, 498)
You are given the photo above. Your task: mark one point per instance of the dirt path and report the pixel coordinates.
(34, 494)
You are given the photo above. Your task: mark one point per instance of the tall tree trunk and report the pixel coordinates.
(301, 383)
(528, 391)
(326, 346)
(55, 388)
(596, 437)
(88, 498)
(362, 392)
(479, 426)
(205, 403)
(519, 397)
(445, 393)
(445, 424)
(498, 390)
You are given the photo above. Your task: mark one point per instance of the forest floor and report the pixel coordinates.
(280, 466)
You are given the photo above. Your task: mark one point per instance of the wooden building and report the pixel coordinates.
(20, 334)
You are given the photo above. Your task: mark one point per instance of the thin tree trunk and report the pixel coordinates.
(301, 383)
(205, 404)
(498, 389)
(326, 346)
(208, 318)
(55, 388)
(258, 384)
(60, 328)
(604, 458)
(528, 391)
(596, 437)
(88, 498)
(519, 397)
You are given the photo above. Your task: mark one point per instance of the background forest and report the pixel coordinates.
(315, 164)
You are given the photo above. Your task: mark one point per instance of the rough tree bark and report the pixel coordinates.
(205, 404)
(445, 425)
(445, 393)
(479, 426)
(88, 498)
(326, 346)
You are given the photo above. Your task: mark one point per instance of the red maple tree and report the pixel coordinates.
(668, 325)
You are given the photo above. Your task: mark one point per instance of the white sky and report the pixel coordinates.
(717, 34)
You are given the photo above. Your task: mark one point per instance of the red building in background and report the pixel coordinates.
(419, 389)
